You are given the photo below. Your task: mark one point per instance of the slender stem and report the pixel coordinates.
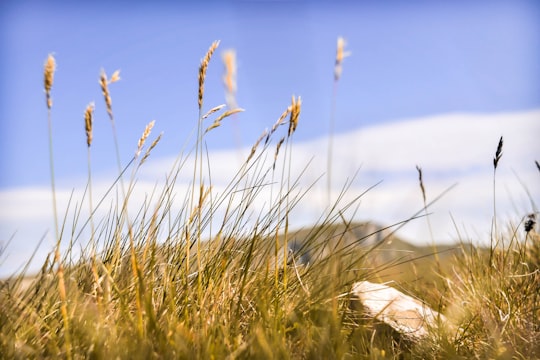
(494, 221)
(90, 204)
(51, 165)
(117, 150)
(331, 147)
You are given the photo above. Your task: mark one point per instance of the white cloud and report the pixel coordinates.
(455, 148)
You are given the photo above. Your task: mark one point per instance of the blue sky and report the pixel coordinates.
(445, 67)
(410, 60)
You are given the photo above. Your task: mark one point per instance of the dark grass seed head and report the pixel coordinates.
(498, 153)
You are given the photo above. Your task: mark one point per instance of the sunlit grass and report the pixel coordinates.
(221, 279)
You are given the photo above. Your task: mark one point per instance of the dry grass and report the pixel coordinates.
(152, 284)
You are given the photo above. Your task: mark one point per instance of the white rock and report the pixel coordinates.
(405, 314)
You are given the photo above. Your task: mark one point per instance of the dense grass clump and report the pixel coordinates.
(218, 280)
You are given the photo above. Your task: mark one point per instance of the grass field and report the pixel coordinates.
(216, 281)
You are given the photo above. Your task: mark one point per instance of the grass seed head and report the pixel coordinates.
(296, 105)
(48, 75)
(421, 180)
(278, 146)
(104, 83)
(498, 153)
(144, 136)
(152, 146)
(202, 70)
(88, 121)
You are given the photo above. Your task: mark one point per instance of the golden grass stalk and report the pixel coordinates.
(229, 77)
(48, 80)
(88, 124)
(144, 136)
(49, 69)
(88, 121)
(198, 168)
(296, 105)
(202, 70)
(227, 113)
(104, 84)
